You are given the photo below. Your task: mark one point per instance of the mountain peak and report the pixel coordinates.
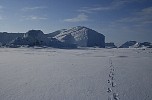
(79, 28)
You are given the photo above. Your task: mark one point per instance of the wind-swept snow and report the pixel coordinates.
(78, 74)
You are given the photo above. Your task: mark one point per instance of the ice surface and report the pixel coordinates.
(77, 74)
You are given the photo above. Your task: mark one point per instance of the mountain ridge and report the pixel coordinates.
(75, 36)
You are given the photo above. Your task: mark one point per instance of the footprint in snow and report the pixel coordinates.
(115, 96)
(113, 84)
(108, 81)
(109, 90)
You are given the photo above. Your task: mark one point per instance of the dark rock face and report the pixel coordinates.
(95, 39)
(82, 36)
(110, 45)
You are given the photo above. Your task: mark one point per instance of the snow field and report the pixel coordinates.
(77, 74)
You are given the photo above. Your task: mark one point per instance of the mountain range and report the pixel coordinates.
(74, 37)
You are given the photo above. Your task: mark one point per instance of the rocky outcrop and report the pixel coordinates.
(110, 45)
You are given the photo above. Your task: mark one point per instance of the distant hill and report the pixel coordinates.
(135, 44)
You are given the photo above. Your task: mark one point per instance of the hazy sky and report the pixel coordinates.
(118, 20)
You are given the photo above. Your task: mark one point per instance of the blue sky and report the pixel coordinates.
(118, 20)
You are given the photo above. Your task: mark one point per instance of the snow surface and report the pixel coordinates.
(77, 74)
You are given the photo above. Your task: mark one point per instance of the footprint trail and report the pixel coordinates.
(113, 95)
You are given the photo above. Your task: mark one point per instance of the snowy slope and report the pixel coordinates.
(82, 36)
(80, 74)
(53, 34)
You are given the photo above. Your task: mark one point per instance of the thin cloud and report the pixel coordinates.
(33, 8)
(111, 6)
(32, 17)
(1, 18)
(141, 17)
(80, 18)
(93, 9)
(116, 4)
(146, 11)
(1, 7)
(139, 22)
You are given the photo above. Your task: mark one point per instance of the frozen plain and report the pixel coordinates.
(77, 74)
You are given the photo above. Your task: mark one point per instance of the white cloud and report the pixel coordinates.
(32, 17)
(80, 18)
(33, 8)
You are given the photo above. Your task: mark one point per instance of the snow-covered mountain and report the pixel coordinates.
(66, 38)
(81, 36)
(135, 44)
(38, 38)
